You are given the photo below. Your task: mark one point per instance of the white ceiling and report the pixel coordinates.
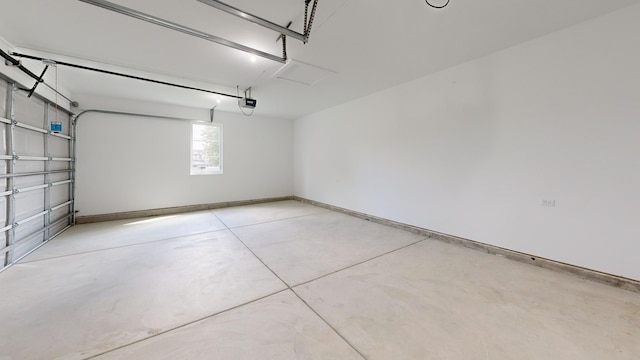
(370, 44)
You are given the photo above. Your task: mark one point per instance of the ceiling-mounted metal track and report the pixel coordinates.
(183, 29)
(254, 19)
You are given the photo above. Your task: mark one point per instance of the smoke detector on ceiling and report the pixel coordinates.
(302, 73)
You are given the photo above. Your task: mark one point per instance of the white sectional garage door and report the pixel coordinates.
(36, 172)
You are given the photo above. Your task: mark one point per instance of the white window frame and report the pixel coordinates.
(192, 164)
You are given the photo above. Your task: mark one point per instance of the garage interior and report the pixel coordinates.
(323, 179)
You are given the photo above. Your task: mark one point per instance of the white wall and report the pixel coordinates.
(473, 150)
(131, 163)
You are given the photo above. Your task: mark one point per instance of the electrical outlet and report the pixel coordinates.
(549, 203)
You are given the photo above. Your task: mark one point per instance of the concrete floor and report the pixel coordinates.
(287, 280)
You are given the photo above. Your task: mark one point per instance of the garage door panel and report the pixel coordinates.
(28, 181)
(59, 194)
(27, 211)
(30, 227)
(25, 246)
(27, 110)
(57, 228)
(29, 203)
(3, 213)
(60, 214)
(58, 147)
(3, 96)
(60, 165)
(55, 177)
(28, 142)
(3, 139)
(28, 166)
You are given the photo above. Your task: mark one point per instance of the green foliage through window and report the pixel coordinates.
(206, 149)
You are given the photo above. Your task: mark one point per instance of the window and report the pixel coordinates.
(206, 149)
